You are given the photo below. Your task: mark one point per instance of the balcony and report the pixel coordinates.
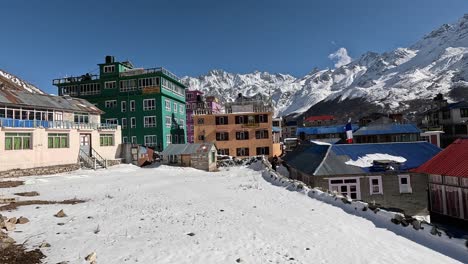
(74, 79)
(16, 123)
(134, 72)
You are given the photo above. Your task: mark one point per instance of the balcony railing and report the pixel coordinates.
(16, 123)
(134, 72)
(73, 79)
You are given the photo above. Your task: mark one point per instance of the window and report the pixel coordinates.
(242, 151)
(452, 201)
(263, 151)
(375, 184)
(189, 106)
(149, 104)
(14, 141)
(436, 199)
(132, 106)
(201, 121)
(132, 122)
(189, 96)
(134, 139)
(259, 134)
(81, 118)
(223, 152)
(90, 88)
(112, 121)
(167, 104)
(242, 135)
(405, 184)
(435, 178)
(175, 107)
(346, 186)
(110, 85)
(464, 112)
(106, 140)
(182, 123)
(240, 119)
(168, 140)
(123, 106)
(150, 140)
(222, 136)
(124, 122)
(221, 120)
(176, 139)
(150, 121)
(263, 118)
(201, 137)
(450, 180)
(191, 127)
(128, 85)
(148, 82)
(464, 183)
(191, 138)
(109, 68)
(181, 109)
(125, 139)
(168, 121)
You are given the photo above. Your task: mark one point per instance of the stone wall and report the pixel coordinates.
(114, 162)
(39, 171)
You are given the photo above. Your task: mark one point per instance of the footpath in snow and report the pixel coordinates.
(182, 215)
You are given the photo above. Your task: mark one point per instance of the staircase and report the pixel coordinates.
(95, 161)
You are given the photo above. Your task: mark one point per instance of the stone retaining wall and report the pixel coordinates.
(39, 171)
(114, 162)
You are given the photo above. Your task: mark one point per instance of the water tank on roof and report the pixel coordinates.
(109, 59)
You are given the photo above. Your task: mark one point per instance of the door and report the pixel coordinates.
(85, 143)
(346, 186)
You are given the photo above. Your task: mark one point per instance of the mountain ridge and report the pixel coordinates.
(391, 80)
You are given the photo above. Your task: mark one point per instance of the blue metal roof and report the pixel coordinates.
(324, 130)
(306, 157)
(415, 153)
(276, 129)
(385, 129)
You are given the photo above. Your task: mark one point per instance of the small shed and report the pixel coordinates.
(448, 185)
(200, 156)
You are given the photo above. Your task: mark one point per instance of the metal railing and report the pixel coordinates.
(87, 160)
(140, 71)
(73, 79)
(98, 158)
(17, 123)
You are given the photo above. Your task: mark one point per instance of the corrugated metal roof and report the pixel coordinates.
(385, 129)
(180, 149)
(415, 153)
(276, 129)
(452, 161)
(306, 158)
(26, 99)
(324, 130)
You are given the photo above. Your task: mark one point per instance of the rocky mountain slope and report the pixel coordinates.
(10, 81)
(390, 81)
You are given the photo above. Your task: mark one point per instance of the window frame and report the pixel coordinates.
(401, 186)
(132, 106)
(379, 184)
(132, 122)
(147, 105)
(106, 140)
(148, 124)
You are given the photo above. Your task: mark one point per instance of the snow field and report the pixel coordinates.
(143, 215)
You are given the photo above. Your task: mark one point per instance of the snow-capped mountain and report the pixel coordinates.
(435, 64)
(10, 81)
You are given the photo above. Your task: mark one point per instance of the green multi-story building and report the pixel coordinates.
(149, 104)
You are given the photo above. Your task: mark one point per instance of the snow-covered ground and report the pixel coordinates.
(144, 215)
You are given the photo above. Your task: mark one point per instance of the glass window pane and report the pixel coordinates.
(17, 142)
(8, 143)
(50, 142)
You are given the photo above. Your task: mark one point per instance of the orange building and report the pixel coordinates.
(240, 134)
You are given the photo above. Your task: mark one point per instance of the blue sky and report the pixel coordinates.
(43, 40)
